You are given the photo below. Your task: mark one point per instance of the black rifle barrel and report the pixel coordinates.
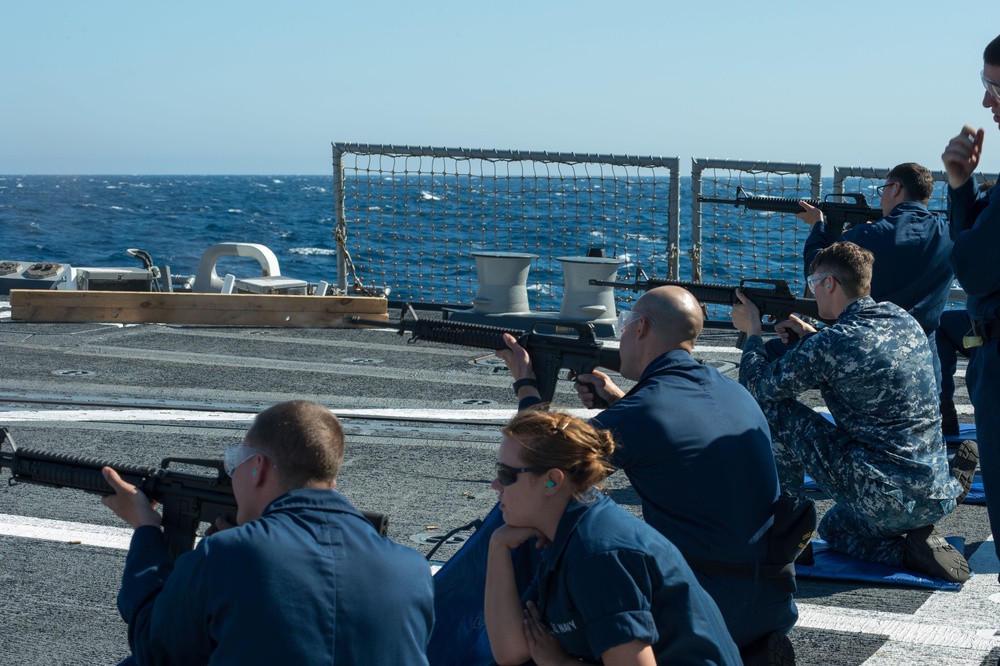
(549, 353)
(188, 498)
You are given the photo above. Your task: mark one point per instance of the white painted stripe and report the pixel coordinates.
(900, 628)
(66, 532)
(971, 614)
(81, 533)
(714, 349)
(946, 625)
(82, 415)
(487, 416)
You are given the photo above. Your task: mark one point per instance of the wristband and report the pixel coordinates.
(527, 381)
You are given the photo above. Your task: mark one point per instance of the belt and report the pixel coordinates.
(781, 576)
(987, 329)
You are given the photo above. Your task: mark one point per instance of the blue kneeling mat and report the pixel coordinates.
(965, 431)
(833, 565)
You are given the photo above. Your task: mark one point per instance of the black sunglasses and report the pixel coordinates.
(507, 475)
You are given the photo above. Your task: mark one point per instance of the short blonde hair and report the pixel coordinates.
(850, 263)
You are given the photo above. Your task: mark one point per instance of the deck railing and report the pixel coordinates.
(409, 218)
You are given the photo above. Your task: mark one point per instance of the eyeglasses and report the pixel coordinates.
(816, 278)
(626, 317)
(507, 475)
(237, 454)
(992, 87)
(880, 188)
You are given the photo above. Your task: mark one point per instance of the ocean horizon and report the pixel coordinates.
(91, 221)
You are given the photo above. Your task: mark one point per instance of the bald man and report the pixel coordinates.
(697, 449)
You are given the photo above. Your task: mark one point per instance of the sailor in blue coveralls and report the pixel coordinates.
(609, 588)
(975, 227)
(304, 579)
(884, 461)
(697, 450)
(912, 249)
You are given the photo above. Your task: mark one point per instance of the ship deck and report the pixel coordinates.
(422, 423)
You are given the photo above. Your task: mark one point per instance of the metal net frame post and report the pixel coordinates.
(728, 242)
(410, 217)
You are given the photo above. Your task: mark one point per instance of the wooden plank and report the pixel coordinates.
(140, 307)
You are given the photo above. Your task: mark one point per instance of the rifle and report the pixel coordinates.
(187, 499)
(548, 353)
(775, 300)
(840, 214)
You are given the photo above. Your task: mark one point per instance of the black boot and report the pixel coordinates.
(926, 551)
(963, 466)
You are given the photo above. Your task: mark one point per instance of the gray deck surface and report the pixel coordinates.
(422, 437)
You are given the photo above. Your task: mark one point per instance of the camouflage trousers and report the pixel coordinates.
(871, 517)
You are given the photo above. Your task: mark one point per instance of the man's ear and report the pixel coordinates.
(259, 472)
(642, 328)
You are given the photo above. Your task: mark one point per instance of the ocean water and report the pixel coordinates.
(92, 220)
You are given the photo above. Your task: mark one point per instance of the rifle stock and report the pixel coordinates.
(548, 353)
(187, 499)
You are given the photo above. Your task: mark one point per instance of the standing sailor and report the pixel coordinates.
(975, 228)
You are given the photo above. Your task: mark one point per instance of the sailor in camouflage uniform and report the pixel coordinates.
(884, 460)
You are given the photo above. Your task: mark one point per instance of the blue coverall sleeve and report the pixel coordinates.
(977, 238)
(164, 605)
(815, 242)
(619, 609)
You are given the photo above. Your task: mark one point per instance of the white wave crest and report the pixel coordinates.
(312, 251)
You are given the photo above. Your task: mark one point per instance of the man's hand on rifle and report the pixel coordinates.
(221, 523)
(795, 325)
(129, 503)
(746, 316)
(600, 382)
(810, 214)
(519, 364)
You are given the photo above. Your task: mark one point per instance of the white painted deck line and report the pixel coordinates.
(950, 628)
(15, 415)
(486, 416)
(100, 536)
(65, 532)
(20, 415)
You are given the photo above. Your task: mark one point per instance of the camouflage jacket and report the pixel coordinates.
(873, 369)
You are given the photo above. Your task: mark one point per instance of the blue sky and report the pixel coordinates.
(251, 87)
